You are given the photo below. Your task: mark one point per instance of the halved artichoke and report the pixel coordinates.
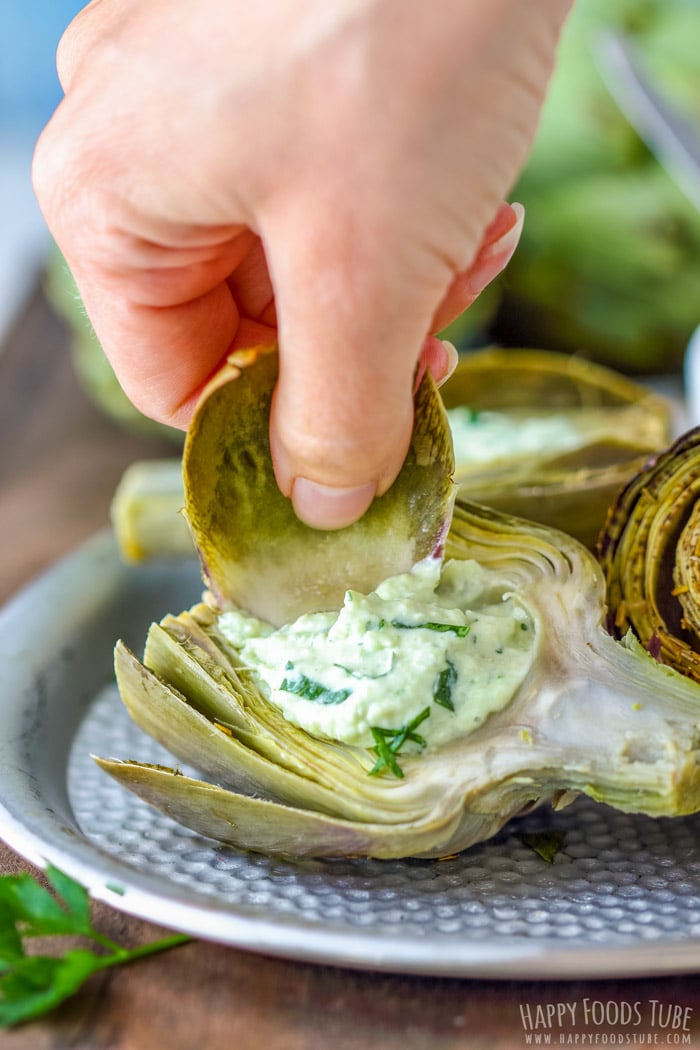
(650, 552)
(549, 436)
(591, 715)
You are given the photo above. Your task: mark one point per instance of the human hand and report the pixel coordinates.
(221, 171)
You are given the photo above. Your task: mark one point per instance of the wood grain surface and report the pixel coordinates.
(59, 462)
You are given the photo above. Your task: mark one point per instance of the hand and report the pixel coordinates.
(222, 170)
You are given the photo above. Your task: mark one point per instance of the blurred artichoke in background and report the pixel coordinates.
(92, 368)
(609, 260)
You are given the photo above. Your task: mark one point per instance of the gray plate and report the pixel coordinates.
(621, 898)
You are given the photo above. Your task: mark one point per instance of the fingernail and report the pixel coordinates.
(494, 257)
(451, 360)
(328, 507)
(438, 355)
(508, 241)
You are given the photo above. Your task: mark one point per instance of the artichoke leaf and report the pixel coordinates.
(266, 827)
(255, 553)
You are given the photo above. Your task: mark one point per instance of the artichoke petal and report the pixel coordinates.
(259, 824)
(255, 552)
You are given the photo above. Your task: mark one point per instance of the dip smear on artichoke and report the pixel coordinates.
(441, 648)
(577, 712)
(549, 436)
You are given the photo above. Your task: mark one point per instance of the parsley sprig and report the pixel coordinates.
(31, 985)
(388, 743)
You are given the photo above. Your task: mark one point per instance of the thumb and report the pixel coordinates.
(352, 318)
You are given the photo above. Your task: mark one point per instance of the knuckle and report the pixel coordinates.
(78, 39)
(55, 177)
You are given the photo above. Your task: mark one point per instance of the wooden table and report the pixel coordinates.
(59, 463)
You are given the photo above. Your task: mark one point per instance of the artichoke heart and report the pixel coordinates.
(549, 436)
(557, 706)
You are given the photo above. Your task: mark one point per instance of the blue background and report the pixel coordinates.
(29, 89)
(29, 92)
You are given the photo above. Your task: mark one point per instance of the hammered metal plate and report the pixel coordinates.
(622, 896)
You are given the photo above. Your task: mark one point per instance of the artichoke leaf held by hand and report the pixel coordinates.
(254, 550)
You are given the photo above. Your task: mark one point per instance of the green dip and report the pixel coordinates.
(445, 641)
(486, 437)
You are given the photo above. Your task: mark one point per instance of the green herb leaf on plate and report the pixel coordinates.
(546, 844)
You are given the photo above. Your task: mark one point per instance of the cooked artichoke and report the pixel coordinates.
(589, 714)
(254, 550)
(649, 552)
(92, 368)
(146, 511)
(548, 436)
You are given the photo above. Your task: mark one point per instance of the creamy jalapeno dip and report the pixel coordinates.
(487, 437)
(428, 640)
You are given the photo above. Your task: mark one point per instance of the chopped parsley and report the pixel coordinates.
(301, 685)
(388, 743)
(461, 630)
(443, 686)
